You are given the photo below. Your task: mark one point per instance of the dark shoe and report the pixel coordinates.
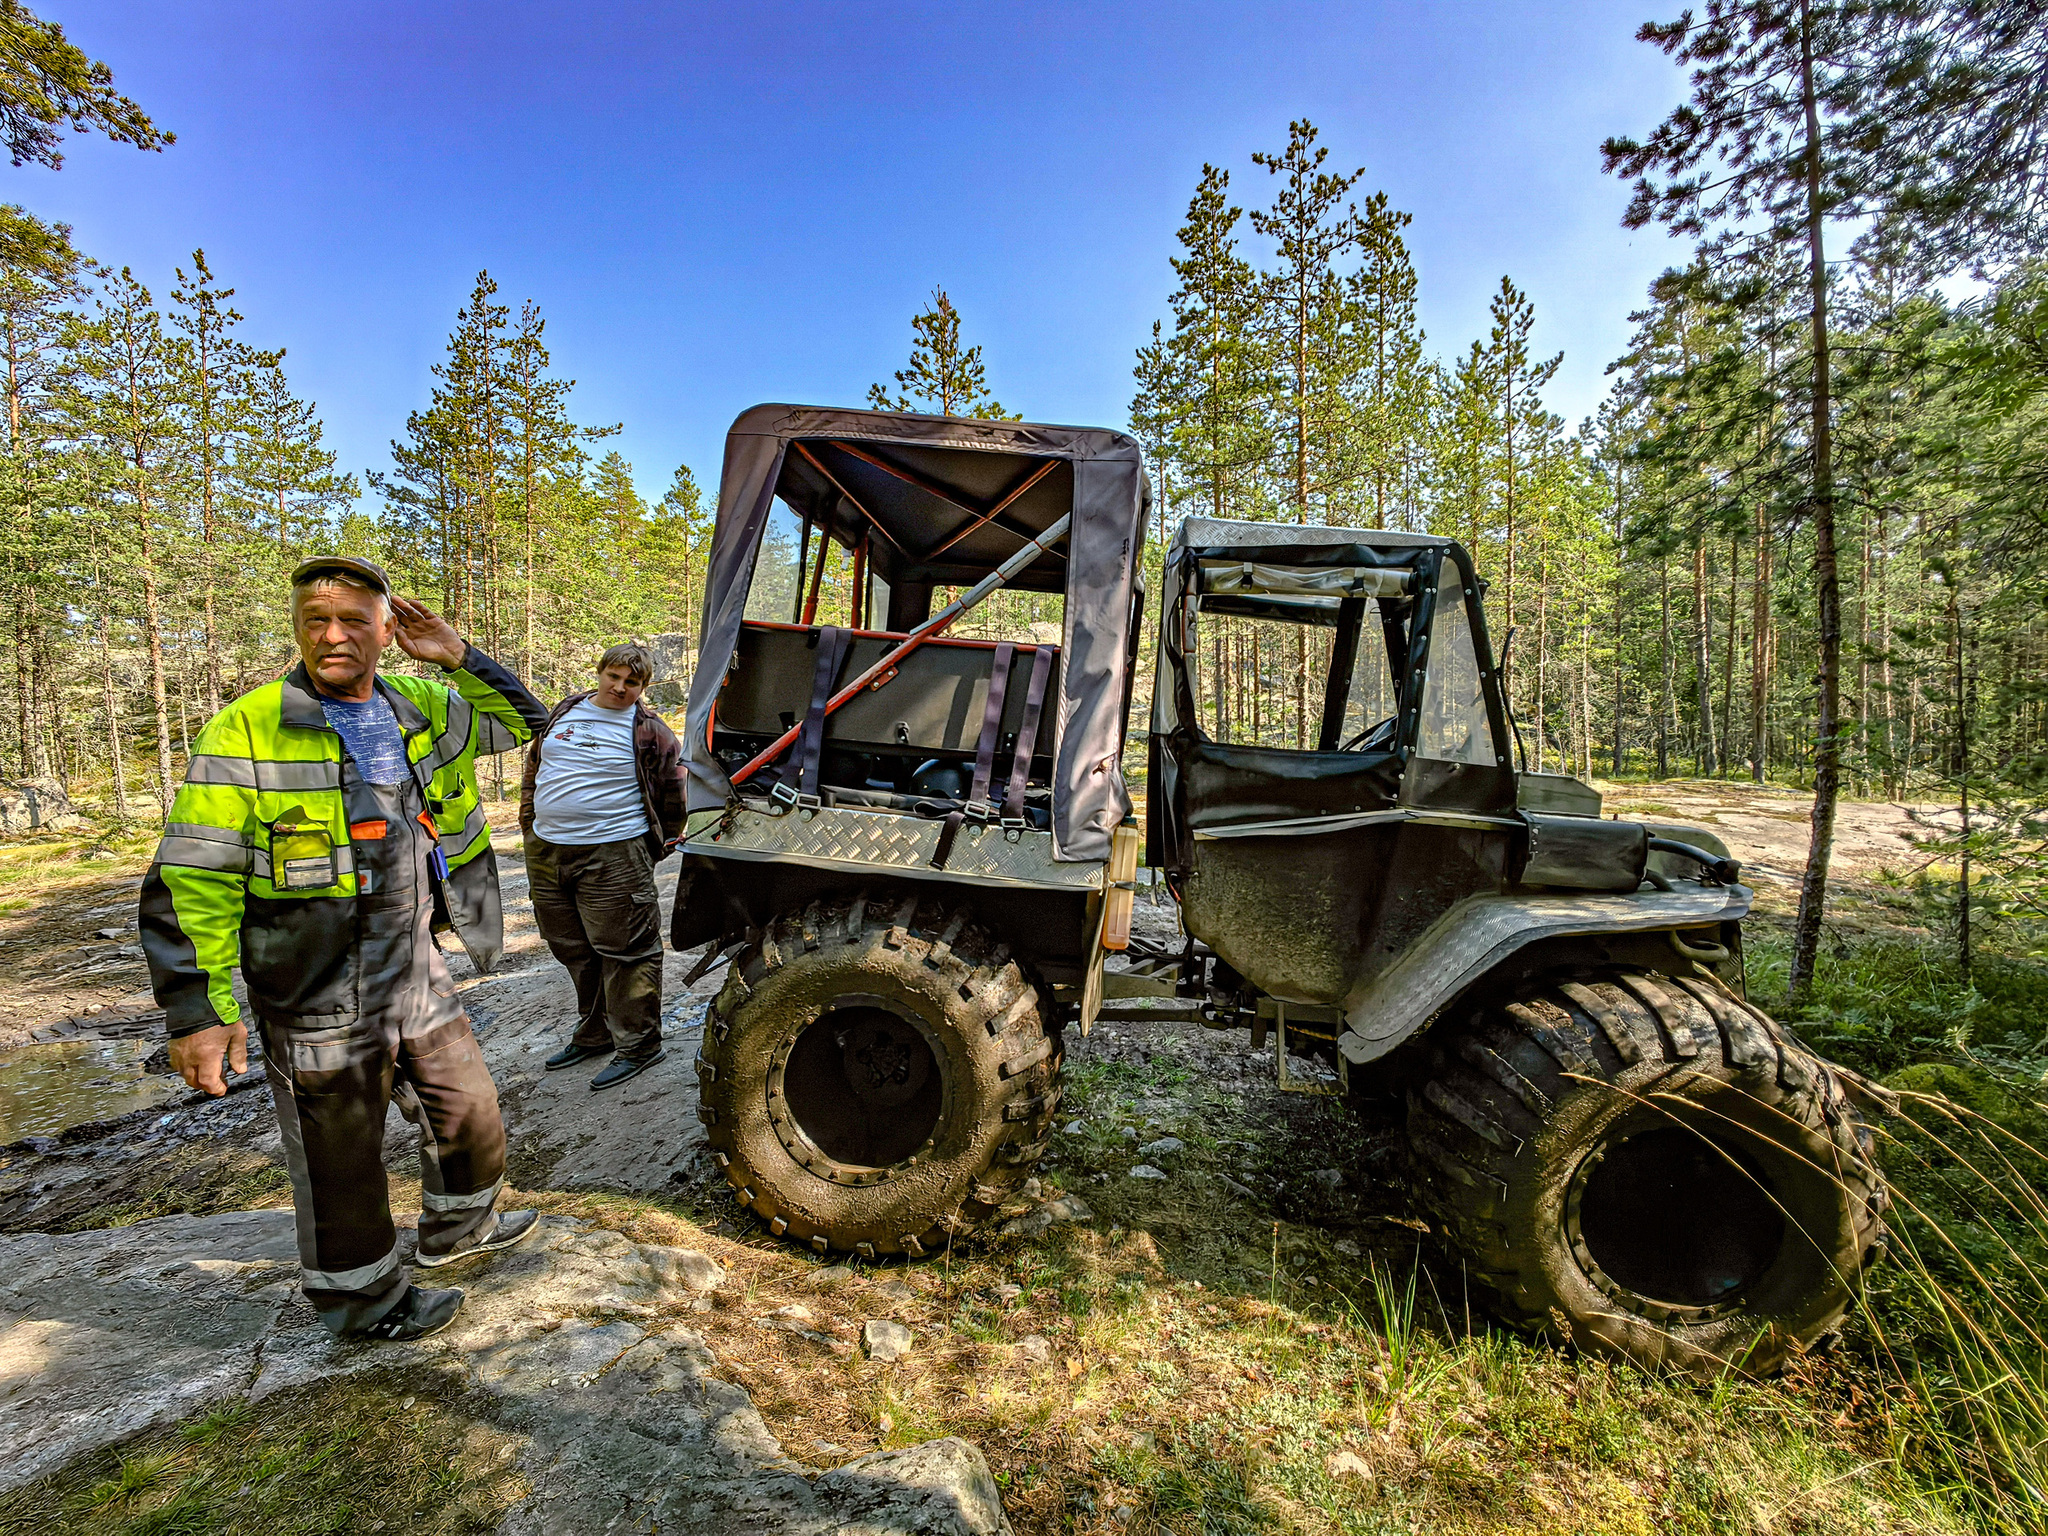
(418, 1313)
(624, 1068)
(572, 1053)
(511, 1227)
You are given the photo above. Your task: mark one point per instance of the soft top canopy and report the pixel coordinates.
(944, 500)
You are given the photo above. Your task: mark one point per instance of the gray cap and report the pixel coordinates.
(352, 565)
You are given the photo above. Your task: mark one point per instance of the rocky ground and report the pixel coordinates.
(653, 1361)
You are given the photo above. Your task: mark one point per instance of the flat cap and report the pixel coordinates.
(351, 565)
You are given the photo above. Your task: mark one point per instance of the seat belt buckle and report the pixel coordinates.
(806, 806)
(981, 812)
(1013, 828)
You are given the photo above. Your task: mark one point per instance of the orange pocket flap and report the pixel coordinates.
(367, 831)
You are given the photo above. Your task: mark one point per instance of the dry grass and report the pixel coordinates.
(346, 1456)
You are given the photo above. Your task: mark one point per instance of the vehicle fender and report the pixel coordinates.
(1477, 934)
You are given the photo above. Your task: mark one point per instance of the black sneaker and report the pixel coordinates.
(572, 1053)
(418, 1313)
(624, 1068)
(512, 1226)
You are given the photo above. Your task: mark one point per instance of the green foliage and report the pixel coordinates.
(943, 378)
(46, 83)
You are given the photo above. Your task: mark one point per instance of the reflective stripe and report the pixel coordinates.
(433, 1202)
(243, 773)
(205, 768)
(472, 824)
(454, 741)
(205, 853)
(495, 736)
(352, 1279)
(298, 775)
(211, 834)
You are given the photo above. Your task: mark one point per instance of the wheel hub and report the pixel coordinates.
(858, 1092)
(1674, 1223)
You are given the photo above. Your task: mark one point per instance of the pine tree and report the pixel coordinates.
(125, 405)
(942, 377)
(1783, 109)
(213, 361)
(1527, 430)
(46, 83)
(1395, 395)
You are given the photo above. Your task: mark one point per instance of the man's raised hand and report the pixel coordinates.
(196, 1057)
(424, 635)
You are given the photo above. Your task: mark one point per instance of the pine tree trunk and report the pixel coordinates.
(1827, 746)
(1760, 650)
(1703, 661)
(119, 768)
(1667, 703)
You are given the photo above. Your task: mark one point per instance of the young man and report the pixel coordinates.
(601, 803)
(328, 823)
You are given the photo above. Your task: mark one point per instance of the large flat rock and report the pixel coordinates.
(579, 1339)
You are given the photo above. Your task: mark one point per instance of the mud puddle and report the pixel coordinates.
(47, 1089)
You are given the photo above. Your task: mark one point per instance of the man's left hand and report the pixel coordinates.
(425, 636)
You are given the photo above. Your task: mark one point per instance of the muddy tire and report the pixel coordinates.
(878, 1078)
(1648, 1167)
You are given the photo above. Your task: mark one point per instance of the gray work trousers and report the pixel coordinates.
(596, 906)
(333, 1078)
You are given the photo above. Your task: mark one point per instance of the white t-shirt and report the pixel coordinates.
(588, 787)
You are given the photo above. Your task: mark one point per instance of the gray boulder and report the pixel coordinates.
(35, 805)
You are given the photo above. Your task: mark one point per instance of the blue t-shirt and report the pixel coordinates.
(370, 731)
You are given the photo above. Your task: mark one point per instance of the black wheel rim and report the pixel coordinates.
(860, 1090)
(1675, 1221)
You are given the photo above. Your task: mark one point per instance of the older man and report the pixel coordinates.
(328, 823)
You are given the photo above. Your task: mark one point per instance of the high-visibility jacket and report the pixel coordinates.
(255, 868)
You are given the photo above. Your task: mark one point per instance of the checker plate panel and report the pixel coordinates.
(879, 840)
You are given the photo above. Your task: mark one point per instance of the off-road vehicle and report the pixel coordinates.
(917, 850)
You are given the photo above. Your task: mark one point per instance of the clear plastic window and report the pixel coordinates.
(1454, 727)
(772, 595)
(1262, 682)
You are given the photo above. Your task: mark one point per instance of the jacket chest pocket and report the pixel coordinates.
(302, 855)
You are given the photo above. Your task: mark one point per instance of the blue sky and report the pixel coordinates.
(715, 206)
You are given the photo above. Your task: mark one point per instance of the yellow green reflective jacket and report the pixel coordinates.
(258, 838)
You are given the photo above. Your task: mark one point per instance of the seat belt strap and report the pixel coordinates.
(1027, 736)
(800, 775)
(984, 754)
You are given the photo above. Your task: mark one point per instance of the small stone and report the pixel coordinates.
(896, 1291)
(1131, 1132)
(109, 933)
(701, 1304)
(1144, 1440)
(1031, 1189)
(794, 1314)
(686, 1266)
(1074, 1127)
(97, 1008)
(833, 1274)
(1349, 1464)
(1331, 1179)
(1165, 1146)
(1035, 1348)
(1007, 1293)
(827, 1448)
(1147, 1171)
(1345, 1246)
(884, 1340)
(406, 1404)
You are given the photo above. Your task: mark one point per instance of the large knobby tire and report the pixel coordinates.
(1648, 1167)
(878, 1078)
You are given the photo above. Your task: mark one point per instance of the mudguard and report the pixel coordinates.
(1480, 932)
